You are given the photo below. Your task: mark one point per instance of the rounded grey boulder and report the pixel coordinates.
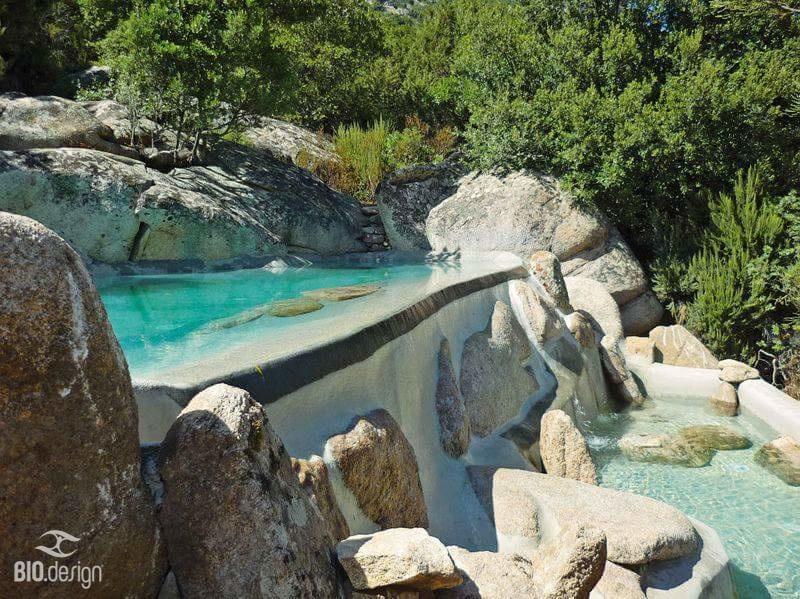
(69, 450)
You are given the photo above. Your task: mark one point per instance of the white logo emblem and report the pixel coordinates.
(60, 536)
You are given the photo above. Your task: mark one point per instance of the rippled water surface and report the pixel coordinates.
(169, 320)
(756, 514)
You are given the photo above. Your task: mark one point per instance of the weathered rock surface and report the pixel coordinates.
(289, 142)
(735, 372)
(618, 583)
(547, 270)
(494, 382)
(69, 450)
(61, 169)
(725, 400)
(379, 467)
(399, 557)
(512, 510)
(293, 307)
(613, 265)
(445, 206)
(664, 449)
(341, 294)
(566, 568)
(782, 458)
(617, 372)
(540, 312)
(52, 122)
(641, 314)
(593, 300)
(714, 436)
(489, 575)
(638, 529)
(313, 477)
(450, 408)
(641, 349)
(677, 346)
(582, 330)
(236, 520)
(564, 450)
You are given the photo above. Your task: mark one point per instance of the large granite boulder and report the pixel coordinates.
(69, 454)
(236, 520)
(641, 314)
(404, 558)
(450, 408)
(540, 312)
(618, 583)
(638, 529)
(494, 381)
(564, 450)
(446, 206)
(735, 372)
(114, 209)
(546, 268)
(378, 465)
(675, 345)
(52, 122)
(289, 142)
(592, 299)
(313, 477)
(782, 458)
(565, 568)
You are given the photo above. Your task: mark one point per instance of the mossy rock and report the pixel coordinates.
(714, 436)
(340, 294)
(782, 458)
(294, 307)
(665, 449)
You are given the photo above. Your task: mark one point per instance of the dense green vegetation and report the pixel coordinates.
(652, 111)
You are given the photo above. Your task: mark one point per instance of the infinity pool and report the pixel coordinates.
(756, 515)
(172, 323)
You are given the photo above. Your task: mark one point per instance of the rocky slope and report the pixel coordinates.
(68, 166)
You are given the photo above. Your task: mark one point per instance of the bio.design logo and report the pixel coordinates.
(36, 571)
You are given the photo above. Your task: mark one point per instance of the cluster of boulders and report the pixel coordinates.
(446, 206)
(120, 193)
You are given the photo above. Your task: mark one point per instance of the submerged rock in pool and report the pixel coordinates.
(714, 436)
(340, 294)
(294, 307)
(665, 449)
(782, 458)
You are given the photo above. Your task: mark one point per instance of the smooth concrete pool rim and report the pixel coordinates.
(269, 380)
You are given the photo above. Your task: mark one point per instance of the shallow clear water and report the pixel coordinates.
(756, 514)
(164, 321)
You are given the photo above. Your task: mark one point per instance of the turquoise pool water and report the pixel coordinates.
(164, 321)
(756, 515)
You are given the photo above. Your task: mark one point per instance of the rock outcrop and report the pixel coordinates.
(591, 299)
(235, 518)
(735, 372)
(540, 312)
(638, 530)
(378, 465)
(289, 142)
(640, 349)
(725, 401)
(445, 206)
(782, 458)
(675, 345)
(494, 382)
(313, 477)
(450, 408)
(69, 451)
(566, 568)
(564, 450)
(546, 267)
(618, 583)
(397, 558)
(111, 207)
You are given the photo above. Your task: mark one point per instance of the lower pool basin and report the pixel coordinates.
(756, 514)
